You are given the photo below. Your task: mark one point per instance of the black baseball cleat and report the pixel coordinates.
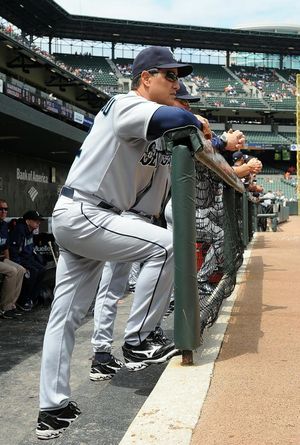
(51, 424)
(105, 370)
(158, 336)
(150, 351)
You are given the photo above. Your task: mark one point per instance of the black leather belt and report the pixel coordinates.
(145, 215)
(69, 193)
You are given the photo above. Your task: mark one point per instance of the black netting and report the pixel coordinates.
(218, 240)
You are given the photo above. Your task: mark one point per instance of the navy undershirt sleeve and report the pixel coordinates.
(166, 118)
(217, 143)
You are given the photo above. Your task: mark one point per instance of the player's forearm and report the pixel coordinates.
(167, 118)
(217, 143)
(242, 170)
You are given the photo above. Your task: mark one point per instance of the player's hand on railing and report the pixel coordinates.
(255, 165)
(235, 140)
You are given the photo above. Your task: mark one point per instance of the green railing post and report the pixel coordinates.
(187, 312)
(255, 225)
(245, 228)
(187, 144)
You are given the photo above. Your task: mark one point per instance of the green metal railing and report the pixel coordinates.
(185, 144)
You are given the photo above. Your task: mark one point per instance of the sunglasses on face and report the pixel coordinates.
(169, 75)
(3, 209)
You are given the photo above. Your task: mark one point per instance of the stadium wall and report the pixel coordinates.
(29, 183)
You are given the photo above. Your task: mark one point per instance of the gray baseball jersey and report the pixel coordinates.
(106, 167)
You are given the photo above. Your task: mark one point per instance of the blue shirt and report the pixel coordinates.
(21, 246)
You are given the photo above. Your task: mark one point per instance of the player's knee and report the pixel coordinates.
(11, 272)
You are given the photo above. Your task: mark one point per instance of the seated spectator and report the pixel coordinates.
(267, 201)
(13, 272)
(22, 251)
(280, 197)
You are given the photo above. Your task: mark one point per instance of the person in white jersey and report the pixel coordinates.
(104, 181)
(115, 274)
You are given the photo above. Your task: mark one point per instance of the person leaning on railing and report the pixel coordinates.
(245, 165)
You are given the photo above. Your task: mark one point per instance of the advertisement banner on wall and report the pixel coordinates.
(47, 102)
(78, 117)
(13, 90)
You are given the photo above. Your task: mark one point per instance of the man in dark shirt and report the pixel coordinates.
(21, 247)
(12, 272)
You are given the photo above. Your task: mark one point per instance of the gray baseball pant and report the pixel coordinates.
(112, 287)
(88, 236)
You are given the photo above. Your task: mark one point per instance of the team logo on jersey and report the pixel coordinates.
(154, 158)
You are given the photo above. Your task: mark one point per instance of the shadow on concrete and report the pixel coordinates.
(23, 337)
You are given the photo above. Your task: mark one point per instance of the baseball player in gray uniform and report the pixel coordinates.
(115, 275)
(104, 181)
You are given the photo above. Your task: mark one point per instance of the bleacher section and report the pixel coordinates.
(285, 103)
(233, 102)
(214, 78)
(263, 137)
(98, 67)
(276, 87)
(124, 66)
(289, 75)
(291, 137)
(277, 183)
(254, 74)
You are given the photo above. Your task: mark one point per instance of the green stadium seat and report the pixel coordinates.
(214, 78)
(98, 66)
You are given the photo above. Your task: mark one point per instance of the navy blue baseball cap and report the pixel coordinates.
(183, 94)
(237, 155)
(158, 57)
(34, 215)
